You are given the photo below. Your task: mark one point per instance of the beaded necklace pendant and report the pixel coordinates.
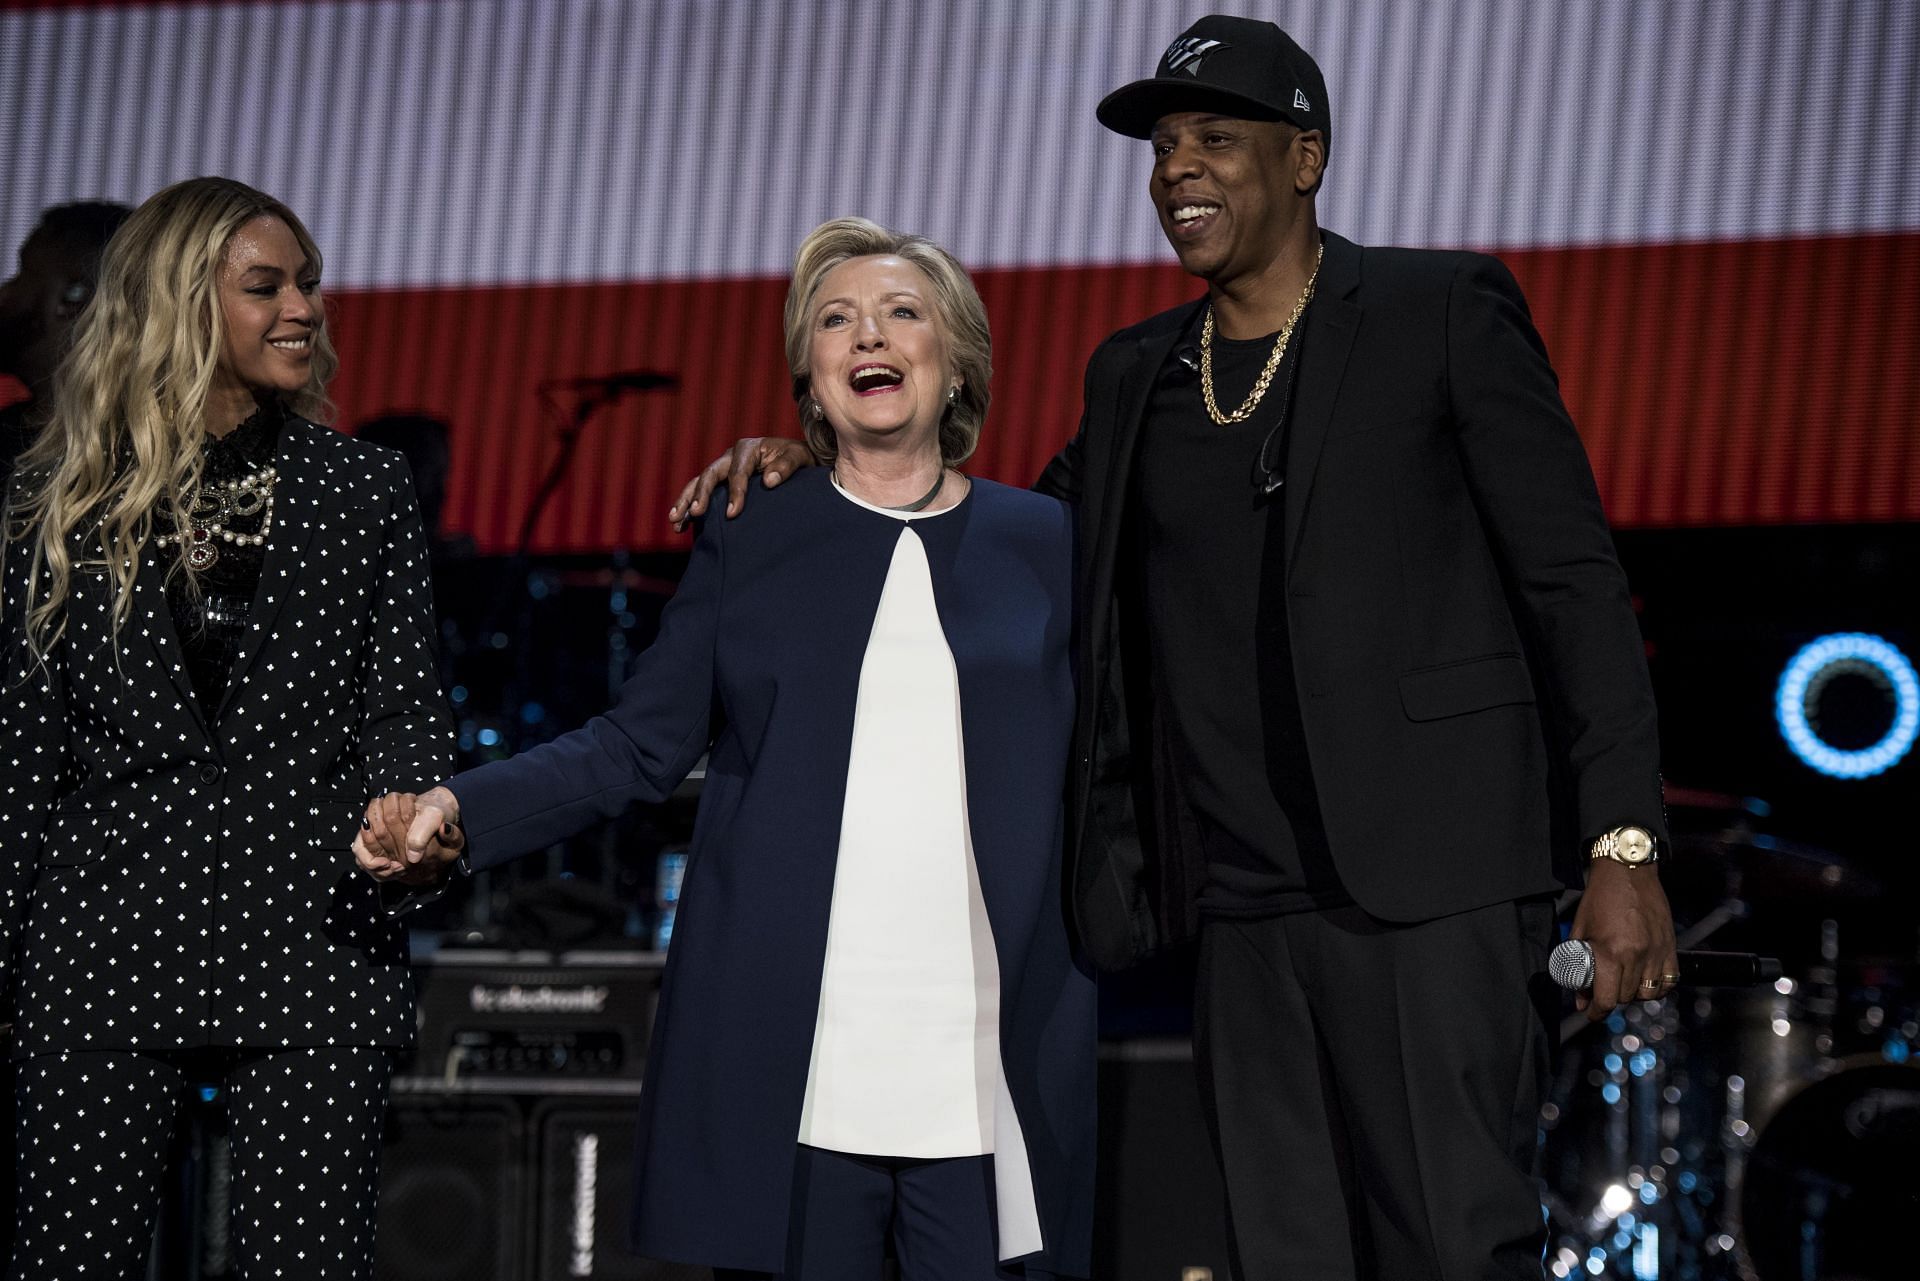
(208, 523)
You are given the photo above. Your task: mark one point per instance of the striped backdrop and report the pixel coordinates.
(1714, 207)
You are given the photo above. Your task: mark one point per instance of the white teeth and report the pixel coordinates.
(290, 344)
(875, 377)
(1187, 213)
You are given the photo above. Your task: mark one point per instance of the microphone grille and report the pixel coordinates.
(1571, 965)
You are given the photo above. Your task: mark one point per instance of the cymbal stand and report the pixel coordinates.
(1645, 1220)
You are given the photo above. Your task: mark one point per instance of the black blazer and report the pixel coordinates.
(1461, 627)
(175, 881)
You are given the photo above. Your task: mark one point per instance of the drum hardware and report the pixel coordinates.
(1738, 1135)
(1832, 1187)
(1757, 865)
(1684, 1136)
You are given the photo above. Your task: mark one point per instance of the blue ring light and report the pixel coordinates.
(1837, 655)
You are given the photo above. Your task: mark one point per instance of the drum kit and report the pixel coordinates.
(1748, 1134)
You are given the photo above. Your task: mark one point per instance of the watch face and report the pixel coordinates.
(1636, 846)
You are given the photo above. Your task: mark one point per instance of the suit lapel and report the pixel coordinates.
(1130, 404)
(294, 514)
(1331, 324)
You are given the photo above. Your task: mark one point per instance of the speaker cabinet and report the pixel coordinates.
(453, 1190)
(584, 1169)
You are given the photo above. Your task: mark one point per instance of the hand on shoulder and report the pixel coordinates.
(773, 458)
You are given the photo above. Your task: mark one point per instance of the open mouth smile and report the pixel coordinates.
(1192, 217)
(297, 346)
(875, 379)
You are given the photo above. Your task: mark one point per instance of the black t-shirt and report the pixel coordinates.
(1213, 548)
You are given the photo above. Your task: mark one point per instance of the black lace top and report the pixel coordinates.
(212, 623)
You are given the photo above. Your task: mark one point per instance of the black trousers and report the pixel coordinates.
(94, 1132)
(1374, 1092)
(938, 1213)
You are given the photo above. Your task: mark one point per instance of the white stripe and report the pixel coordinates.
(492, 142)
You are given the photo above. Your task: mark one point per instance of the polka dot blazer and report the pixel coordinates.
(175, 879)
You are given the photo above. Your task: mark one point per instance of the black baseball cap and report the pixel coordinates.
(1238, 67)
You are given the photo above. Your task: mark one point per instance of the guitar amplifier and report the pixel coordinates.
(582, 1157)
(533, 1022)
(454, 1190)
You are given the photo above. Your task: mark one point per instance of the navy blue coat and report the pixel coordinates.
(759, 655)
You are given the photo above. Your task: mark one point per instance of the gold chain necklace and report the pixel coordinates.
(1260, 385)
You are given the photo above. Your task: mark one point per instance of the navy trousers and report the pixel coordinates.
(937, 1213)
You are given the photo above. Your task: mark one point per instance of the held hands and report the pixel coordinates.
(408, 838)
(1625, 918)
(774, 457)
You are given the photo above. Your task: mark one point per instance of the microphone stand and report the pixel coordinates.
(573, 425)
(570, 426)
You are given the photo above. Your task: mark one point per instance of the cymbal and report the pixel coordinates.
(1771, 867)
(1697, 798)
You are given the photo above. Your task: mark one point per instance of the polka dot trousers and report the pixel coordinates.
(95, 1131)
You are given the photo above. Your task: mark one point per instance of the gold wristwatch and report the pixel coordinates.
(1634, 846)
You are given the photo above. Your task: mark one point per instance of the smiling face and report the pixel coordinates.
(269, 298)
(877, 359)
(1226, 190)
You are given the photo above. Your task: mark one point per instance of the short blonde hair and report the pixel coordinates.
(957, 304)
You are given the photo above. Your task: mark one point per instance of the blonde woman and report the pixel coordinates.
(217, 645)
(873, 1024)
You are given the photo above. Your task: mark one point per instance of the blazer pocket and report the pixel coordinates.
(1471, 686)
(78, 837)
(333, 820)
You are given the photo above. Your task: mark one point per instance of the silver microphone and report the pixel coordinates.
(1571, 965)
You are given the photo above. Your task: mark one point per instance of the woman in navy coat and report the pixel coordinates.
(872, 1021)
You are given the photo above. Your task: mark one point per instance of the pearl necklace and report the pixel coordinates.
(214, 506)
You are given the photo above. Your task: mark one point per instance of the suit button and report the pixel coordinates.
(210, 773)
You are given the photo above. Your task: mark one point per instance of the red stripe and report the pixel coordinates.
(1715, 384)
(1765, 382)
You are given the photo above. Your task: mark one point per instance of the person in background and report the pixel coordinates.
(424, 441)
(872, 1024)
(59, 267)
(216, 644)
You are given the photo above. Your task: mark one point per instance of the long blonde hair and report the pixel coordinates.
(123, 445)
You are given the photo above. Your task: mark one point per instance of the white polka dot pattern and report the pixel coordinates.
(174, 883)
(304, 1130)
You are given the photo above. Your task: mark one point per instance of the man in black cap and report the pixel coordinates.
(59, 266)
(1357, 660)
(1338, 512)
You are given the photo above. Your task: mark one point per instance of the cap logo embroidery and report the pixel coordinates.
(1300, 101)
(1185, 54)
